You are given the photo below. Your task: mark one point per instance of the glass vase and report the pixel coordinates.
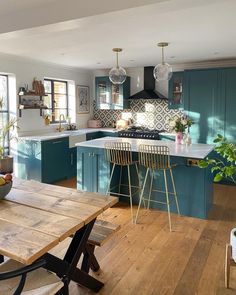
(178, 137)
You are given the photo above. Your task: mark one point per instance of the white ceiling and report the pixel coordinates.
(197, 31)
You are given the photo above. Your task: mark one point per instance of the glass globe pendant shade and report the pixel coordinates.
(162, 72)
(117, 75)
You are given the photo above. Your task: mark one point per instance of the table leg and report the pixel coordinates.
(90, 260)
(68, 266)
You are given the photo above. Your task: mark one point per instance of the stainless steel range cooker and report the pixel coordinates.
(140, 132)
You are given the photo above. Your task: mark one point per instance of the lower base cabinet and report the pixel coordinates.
(46, 161)
(54, 160)
(92, 170)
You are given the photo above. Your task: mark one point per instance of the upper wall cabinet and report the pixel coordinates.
(110, 96)
(201, 103)
(176, 90)
(228, 94)
(210, 99)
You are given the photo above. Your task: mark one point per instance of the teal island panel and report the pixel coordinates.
(194, 186)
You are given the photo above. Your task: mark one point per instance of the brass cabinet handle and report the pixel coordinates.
(55, 142)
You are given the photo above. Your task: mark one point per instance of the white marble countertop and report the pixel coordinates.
(197, 151)
(65, 133)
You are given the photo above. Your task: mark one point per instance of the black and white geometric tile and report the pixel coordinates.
(150, 113)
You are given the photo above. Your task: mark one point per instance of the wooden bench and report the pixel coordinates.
(102, 231)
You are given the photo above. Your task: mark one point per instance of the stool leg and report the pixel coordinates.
(228, 255)
(173, 184)
(150, 190)
(136, 166)
(167, 199)
(120, 177)
(130, 194)
(141, 196)
(109, 183)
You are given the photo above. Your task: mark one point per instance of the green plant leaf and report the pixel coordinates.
(218, 177)
(203, 164)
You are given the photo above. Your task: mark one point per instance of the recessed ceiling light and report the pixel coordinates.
(172, 56)
(132, 60)
(98, 63)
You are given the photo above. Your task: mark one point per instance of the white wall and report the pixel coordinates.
(24, 71)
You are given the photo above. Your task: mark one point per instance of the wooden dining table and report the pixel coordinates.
(35, 217)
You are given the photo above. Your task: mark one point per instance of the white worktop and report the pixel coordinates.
(198, 151)
(66, 133)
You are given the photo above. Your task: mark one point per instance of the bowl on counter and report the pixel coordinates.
(5, 189)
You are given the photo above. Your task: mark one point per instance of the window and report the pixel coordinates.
(56, 99)
(4, 110)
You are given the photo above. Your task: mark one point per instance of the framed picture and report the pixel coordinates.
(83, 100)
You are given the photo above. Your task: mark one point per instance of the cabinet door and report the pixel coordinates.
(103, 92)
(110, 96)
(72, 162)
(92, 170)
(84, 170)
(176, 90)
(230, 103)
(100, 172)
(55, 159)
(203, 104)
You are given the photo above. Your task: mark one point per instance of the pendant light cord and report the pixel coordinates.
(162, 55)
(117, 64)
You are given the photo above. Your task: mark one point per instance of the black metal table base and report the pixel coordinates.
(67, 268)
(89, 260)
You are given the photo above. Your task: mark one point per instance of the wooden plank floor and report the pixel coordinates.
(146, 259)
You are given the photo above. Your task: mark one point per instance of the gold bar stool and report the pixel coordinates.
(119, 154)
(156, 158)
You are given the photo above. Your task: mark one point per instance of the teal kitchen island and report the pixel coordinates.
(194, 185)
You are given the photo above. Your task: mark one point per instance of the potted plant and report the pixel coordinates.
(225, 166)
(179, 125)
(6, 135)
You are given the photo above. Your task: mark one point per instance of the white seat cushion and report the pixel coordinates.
(38, 282)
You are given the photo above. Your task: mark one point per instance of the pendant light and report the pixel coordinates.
(117, 75)
(162, 71)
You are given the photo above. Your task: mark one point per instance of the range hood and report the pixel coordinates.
(149, 91)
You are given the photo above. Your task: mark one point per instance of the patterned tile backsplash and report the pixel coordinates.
(150, 113)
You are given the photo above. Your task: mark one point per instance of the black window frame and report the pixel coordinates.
(6, 111)
(52, 93)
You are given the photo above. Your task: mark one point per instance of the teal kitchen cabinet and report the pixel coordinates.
(99, 134)
(107, 133)
(203, 104)
(167, 137)
(176, 91)
(55, 159)
(111, 96)
(228, 92)
(93, 170)
(93, 135)
(44, 161)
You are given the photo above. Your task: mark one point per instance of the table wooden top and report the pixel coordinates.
(34, 217)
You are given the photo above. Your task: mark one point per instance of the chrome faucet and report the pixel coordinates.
(61, 118)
